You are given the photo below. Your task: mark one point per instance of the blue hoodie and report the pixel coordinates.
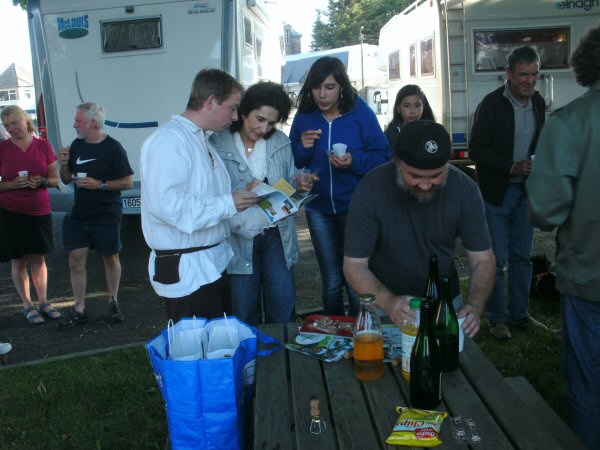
(360, 131)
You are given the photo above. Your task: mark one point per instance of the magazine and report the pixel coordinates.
(318, 324)
(280, 200)
(325, 348)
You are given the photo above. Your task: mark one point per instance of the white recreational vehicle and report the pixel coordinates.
(456, 50)
(138, 58)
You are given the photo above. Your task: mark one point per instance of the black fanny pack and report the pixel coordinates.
(166, 263)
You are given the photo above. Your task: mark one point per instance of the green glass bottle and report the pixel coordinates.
(425, 364)
(446, 328)
(433, 288)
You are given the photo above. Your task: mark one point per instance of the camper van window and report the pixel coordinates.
(412, 54)
(427, 57)
(493, 46)
(129, 35)
(394, 65)
(248, 32)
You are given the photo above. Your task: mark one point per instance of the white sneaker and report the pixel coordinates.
(5, 348)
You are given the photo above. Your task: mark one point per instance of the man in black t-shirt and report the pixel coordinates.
(99, 166)
(408, 209)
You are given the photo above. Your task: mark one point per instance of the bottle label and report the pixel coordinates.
(408, 341)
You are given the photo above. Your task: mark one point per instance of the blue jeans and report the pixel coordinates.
(512, 239)
(581, 366)
(270, 284)
(327, 235)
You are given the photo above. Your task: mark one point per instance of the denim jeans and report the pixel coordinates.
(581, 366)
(512, 240)
(271, 285)
(327, 235)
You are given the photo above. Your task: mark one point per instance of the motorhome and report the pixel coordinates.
(138, 59)
(456, 51)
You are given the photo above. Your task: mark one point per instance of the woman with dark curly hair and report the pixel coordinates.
(28, 168)
(261, 273)
(329, 113)
(410, 105)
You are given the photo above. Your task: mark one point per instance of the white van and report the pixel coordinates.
(138, 58)
(456, 50)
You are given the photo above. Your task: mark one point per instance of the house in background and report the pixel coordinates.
(16, 88)
(292, 40)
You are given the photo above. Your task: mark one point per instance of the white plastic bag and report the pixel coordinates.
(187, 339)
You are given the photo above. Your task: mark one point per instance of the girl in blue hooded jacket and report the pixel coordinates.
(329, 113)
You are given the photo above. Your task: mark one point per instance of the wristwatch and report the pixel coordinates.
(103, 186)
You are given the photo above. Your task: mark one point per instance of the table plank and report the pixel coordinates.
(350, 410)
(511, 414)
(307, 381)
(384, 396)
(273, 426)
(552, 422)
(462, 400)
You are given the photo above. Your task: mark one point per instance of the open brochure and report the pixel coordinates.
(280, 200)
(325, 348)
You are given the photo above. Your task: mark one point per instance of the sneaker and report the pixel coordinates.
(500, 331)
(114, 310)
(529, 321)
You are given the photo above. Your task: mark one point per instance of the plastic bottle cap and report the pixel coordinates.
(415, 302)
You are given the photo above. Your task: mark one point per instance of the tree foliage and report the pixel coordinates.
(22, 3)
(341, 23)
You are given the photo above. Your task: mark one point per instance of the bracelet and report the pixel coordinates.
(47, 183)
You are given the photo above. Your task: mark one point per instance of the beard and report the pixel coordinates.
(414, 192)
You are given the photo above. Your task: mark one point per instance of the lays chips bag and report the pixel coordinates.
(417, 428)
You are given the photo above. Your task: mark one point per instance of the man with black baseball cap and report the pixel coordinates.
(408, 209)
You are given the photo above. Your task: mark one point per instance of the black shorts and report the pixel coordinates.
(103, 235)
(23, 234)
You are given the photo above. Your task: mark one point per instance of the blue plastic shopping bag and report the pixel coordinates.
(207, 399)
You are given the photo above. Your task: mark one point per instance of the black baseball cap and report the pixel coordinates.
(423, 144)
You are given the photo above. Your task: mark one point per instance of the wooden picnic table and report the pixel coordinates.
(508, 412)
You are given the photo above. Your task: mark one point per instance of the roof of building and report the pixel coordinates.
(14, 77)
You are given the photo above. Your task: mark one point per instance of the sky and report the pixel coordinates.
(14, 35)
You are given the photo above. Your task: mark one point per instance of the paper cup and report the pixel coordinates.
(461, 333)
(339, 149)
(23, 173)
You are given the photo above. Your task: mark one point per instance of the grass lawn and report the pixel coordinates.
(106, 401)
(112, 401)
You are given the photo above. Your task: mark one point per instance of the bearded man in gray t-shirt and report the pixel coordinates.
(413, 207)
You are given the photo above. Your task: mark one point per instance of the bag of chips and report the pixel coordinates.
(417, 428)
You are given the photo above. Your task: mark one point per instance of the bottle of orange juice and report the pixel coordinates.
(409, 334)
(368, 341)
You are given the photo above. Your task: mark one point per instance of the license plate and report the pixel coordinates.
(132, 202)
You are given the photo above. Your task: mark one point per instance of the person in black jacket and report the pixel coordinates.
(505, 130)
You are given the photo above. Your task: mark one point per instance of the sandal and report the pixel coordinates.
(32, 315)
(71, 319)
(49, 311)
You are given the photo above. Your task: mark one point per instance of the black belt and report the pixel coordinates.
(181, 251)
